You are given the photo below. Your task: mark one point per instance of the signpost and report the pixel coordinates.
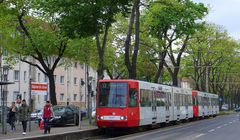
(36, 89)
(39, 88)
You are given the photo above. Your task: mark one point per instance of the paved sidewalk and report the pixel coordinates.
(35, 131)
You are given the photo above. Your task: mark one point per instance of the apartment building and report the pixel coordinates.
(71, 84)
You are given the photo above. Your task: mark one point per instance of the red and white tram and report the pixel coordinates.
(133, 103)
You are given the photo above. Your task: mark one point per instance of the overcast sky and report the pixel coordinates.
(225, 13)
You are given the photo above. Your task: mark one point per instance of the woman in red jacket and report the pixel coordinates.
(47, 114)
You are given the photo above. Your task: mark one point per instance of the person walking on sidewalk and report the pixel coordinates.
(47, 114)
(24, 113)
(12, 116)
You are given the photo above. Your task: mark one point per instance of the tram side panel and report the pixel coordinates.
(201, 105)
(155, 102)
(133, 116)
(177, 102)
(146, 113)
(195, 103)
(188, 104)
(215, 105)
(161, 105)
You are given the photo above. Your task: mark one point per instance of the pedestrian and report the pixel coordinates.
(47, 114)
(24, 113)
(12, 116)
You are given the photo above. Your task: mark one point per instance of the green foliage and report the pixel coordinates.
(44, 36)
(83, 50)
(176, 15)
(172, 23)
(85, 17)
(214, 48)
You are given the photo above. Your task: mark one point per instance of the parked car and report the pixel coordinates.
(83, 113)
(237, 109)
(94, 113)
(36, 114)
(6, 111)
(65, 115)
(224, 108)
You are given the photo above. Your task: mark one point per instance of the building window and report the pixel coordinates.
(75, 64)
(75, 97)
(25, 76)
(45, 78)
(82, 66)
(62, 79)
(16, 75)
(82, 82)
(81, 98)
(39, 77)
(61, 97)
(24, 95)
(75, 80)
(15, 95)
(45, 97)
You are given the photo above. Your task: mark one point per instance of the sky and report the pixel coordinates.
(225, 13)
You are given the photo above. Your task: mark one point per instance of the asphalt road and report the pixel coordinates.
(220, 128)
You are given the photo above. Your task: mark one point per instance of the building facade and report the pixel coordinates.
(71, 84)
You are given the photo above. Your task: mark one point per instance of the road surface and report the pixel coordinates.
(220, 128)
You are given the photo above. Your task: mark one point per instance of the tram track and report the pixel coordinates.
(118, 134)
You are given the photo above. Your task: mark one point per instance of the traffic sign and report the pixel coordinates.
(39, 88)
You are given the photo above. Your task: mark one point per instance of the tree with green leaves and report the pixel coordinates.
(173, 22)
(35, 38)
(87, 18)
(214, 58)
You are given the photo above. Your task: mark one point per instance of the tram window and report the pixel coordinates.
(170, 99)
(178, 100)
(113, 94)
(175, 99)
(193, 100)
(200, 100)
(186, 99)
(190, 100)
(132, 98)
(160, 98)
(181, 100)
(145, 97)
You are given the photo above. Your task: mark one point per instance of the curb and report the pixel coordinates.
(73, 135)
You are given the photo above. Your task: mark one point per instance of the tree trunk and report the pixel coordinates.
(52, 88)
(128, 40)
(221, 99)
(174, 77)
(159, 72)
(136, 46)
(100, 70)
(101, 50)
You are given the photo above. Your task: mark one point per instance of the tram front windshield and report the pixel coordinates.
(113, 94)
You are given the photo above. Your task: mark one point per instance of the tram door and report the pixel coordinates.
(154, 107)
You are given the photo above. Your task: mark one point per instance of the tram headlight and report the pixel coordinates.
(101, 117)
(123, 118)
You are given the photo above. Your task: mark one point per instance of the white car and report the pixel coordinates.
(35, 114)
(93, 113)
